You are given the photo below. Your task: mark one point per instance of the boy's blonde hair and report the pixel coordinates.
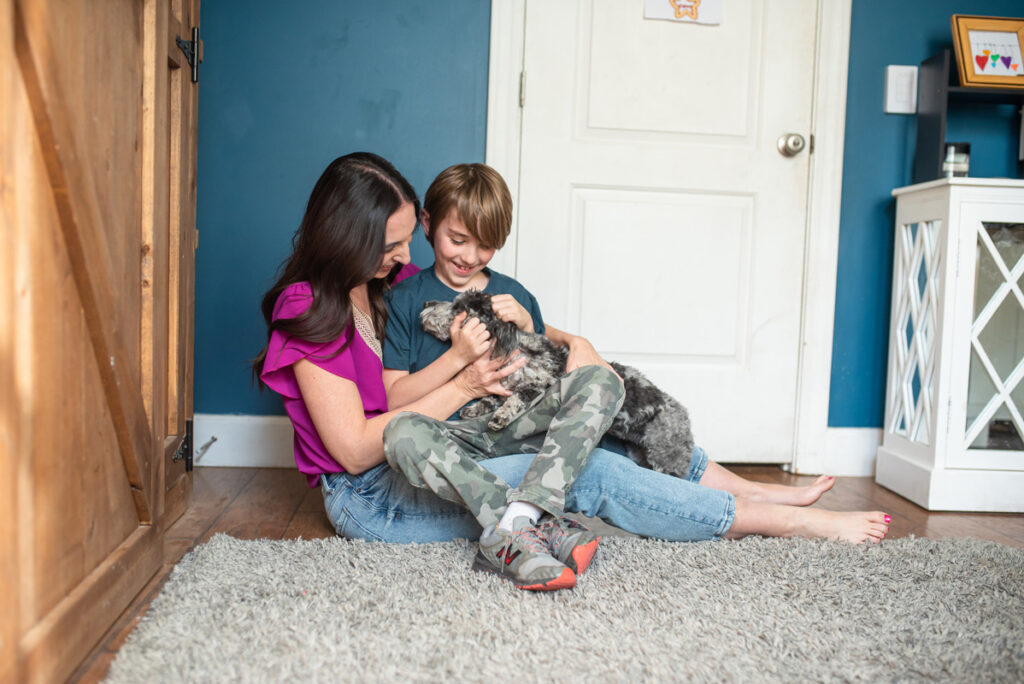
(480, 198)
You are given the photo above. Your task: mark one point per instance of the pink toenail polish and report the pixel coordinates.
(888, 519)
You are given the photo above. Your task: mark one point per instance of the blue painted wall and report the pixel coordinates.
(878, 157)
(286, 88)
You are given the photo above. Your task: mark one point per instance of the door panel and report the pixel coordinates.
(620, 47)
(656, 215)
(85, 220)
(702, 258)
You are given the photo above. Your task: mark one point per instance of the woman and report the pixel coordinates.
(326, 319)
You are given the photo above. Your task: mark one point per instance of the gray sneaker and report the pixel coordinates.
(569, 541)
(522, 557)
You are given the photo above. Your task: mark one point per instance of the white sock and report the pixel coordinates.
(516, 509)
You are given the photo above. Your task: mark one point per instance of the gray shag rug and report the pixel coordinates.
(757, 610)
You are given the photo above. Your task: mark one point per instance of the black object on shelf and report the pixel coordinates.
(937, 86)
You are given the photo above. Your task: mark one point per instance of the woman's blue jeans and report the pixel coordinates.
(381, 505)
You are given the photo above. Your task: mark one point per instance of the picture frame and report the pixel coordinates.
(989, 51)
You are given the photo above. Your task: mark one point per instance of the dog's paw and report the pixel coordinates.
(469, 413)
(476, 410)
(497, 423)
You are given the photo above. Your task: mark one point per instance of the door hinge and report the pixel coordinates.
(192, 50)
(522, 89)
(184, 450)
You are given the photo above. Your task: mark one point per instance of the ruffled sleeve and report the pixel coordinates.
(283, 351)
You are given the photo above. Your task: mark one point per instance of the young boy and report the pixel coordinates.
(467, 216)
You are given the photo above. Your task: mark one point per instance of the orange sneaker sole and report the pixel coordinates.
(567, 580)
(582, 555)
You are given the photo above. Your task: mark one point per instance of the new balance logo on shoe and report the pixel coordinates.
(522, 557)
(509, 557)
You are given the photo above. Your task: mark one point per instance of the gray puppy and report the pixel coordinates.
(654, 426)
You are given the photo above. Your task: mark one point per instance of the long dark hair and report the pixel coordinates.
(338, 246)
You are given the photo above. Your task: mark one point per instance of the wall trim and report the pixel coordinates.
(504, 116)
(821, 243)
(243, 441)
(821, 246)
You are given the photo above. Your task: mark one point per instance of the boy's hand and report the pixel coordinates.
(470, 339)
(508, 309)
(484, 376)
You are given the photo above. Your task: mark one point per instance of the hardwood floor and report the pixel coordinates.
(257, 503)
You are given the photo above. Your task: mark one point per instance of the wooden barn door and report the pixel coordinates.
(97, 223)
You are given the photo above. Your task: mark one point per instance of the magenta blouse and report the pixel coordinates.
(357, 363)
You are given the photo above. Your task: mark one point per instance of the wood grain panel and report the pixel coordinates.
(183, 238)
(10, 398)
(177, 100)
(40, 41)
(183, 129)
(69, 432)
(74, 528)
(53, 648)
(155, 209)
(65, 531)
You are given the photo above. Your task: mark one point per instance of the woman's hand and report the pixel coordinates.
(470, 339)
(508, 309)
(484, 376)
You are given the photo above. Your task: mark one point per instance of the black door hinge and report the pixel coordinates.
(191, 50)
(184, 450)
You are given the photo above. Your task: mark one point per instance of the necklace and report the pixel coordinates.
(364, 325)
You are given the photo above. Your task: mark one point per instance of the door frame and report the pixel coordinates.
(825, 178)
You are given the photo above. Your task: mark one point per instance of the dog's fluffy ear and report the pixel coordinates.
(505, 335)
(437, 318)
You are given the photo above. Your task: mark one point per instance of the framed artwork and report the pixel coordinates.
(988, 50)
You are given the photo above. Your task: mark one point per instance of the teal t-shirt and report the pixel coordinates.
(410, 348)
(407, 346)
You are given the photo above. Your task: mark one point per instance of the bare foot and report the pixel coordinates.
(779, 520)
(855, 527)
(793, 496)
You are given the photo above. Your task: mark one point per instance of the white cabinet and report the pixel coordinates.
(953, 437)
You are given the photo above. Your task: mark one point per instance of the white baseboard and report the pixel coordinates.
(266, 442)
(850, 452)
(243, 441)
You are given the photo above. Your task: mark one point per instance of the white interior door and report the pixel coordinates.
(657, 216)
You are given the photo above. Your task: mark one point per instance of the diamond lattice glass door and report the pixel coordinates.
(916, 297)
(995, 392)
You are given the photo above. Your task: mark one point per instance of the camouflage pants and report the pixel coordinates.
(562, 426)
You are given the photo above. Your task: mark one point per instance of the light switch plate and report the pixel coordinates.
(900, 89)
